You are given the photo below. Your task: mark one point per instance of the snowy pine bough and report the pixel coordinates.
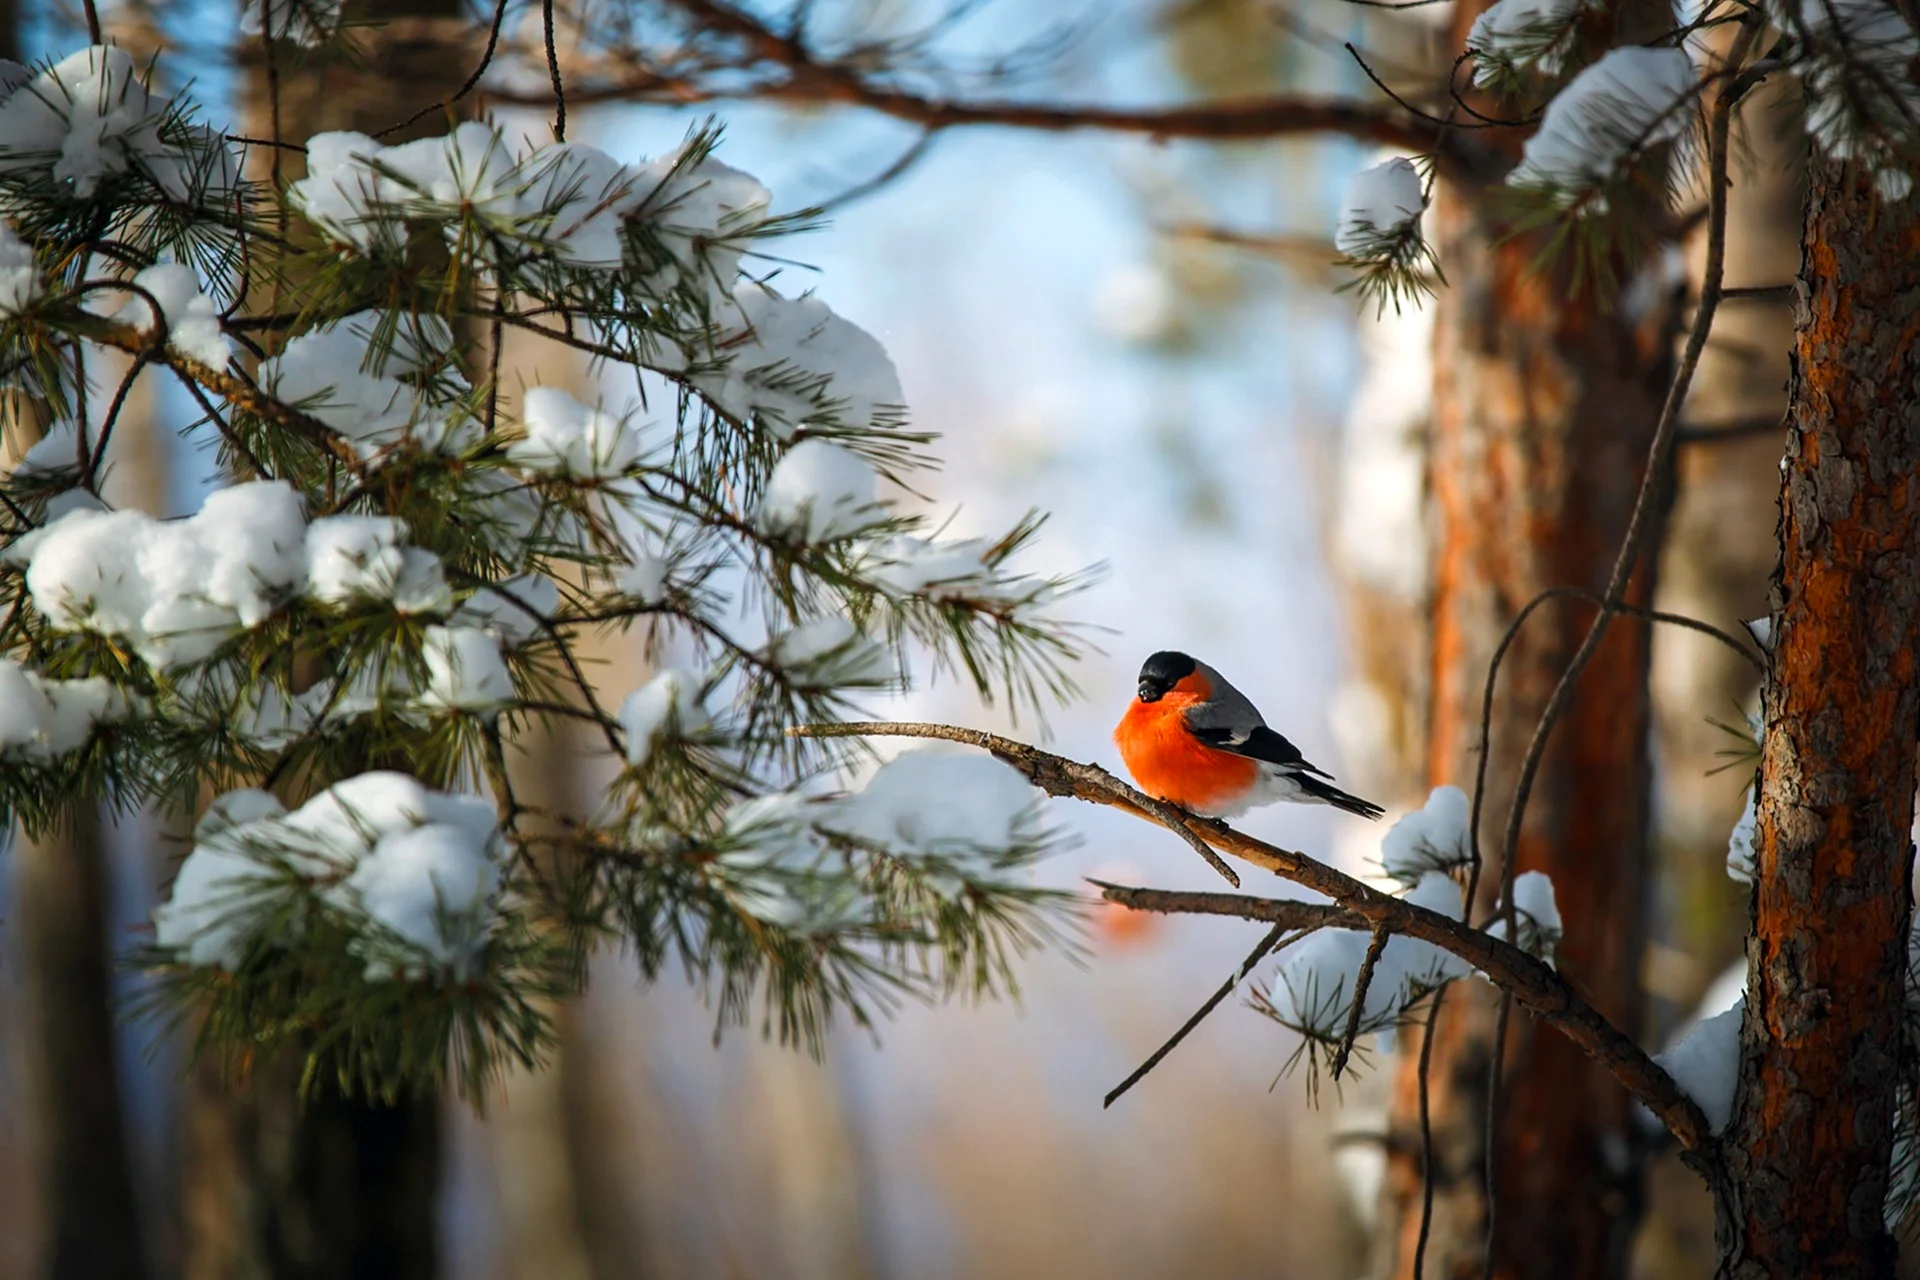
(345, 643)
(1428, 853)
(1379, 235)
(1613, 134)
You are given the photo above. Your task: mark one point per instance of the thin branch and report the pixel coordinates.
(912, 156)
(1259, 953)
(472, 81)
(1316, 250)
(807, 79)
(220, 424)
(1541, 991)
(236, 390)
(93, 23)
(1426, 1140)
(1512, 633)
(1361, 982)
(90, 479)
(1288, 913)
(1445, 122)
(553, 75)
(1178, 820)
(1494, 1076)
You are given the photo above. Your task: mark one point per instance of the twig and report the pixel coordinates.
(595, 711)
(1494, 1076)
(1175, 819)
(235, 389)
(220, 424)
(1493, 675)
(93, 23)
(90, 480)
(1317, 250)
(1290, 912)
(553, 74)
(860, 191)
(1258, 954)
(1659, 457)
(1426, 1141)
(1541, 991)
(486, 60)
(1445, 122)
(1361, 982)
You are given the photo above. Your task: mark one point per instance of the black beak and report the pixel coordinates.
(1150, 692)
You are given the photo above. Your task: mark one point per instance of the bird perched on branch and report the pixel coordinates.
(1194, 740)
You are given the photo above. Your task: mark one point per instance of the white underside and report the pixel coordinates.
(1274, 786)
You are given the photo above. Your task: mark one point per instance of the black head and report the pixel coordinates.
(1161, 672)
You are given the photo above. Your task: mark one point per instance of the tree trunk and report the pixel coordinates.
(79, 1139)
(1808, 1149)
(86, 1221)
(1718, 557)
(329, 1188)
(1544, 408)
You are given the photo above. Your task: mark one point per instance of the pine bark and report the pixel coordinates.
(89, 1220)
(1808, 1148)
(1544, 409)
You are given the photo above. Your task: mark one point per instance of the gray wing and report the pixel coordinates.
(1229, 721)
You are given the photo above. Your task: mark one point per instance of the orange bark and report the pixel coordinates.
(1808, 1148)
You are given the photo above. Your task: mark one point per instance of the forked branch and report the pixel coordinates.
(1541, 991)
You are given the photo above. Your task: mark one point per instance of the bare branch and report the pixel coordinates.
(553, 74)
(1540, 990)
(1259, 953)
(1426, 1139)
(801, 77)
(1361, 982)
(486, 60)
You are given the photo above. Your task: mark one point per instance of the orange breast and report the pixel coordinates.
(1169, 763)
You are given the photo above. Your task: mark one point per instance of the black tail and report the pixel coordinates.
(1336, 797)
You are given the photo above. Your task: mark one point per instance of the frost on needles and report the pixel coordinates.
(348, 643)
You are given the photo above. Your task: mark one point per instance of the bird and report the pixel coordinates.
(1194, 740)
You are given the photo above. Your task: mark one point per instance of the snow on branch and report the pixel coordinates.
(1516, 36)
(408, 568)
(1630, 101)
(1379, 235)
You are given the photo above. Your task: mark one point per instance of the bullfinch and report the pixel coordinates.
(1194, 740)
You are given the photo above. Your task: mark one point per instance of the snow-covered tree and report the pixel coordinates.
(342, 645)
